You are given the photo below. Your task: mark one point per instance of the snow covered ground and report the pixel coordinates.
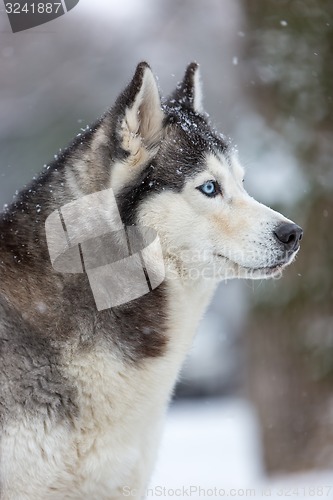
(212, 449)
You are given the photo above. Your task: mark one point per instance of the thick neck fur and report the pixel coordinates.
(120, 366)
(61, 306)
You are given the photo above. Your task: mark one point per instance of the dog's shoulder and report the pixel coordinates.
(30, 376)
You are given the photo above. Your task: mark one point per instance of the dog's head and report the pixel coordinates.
(175, 173)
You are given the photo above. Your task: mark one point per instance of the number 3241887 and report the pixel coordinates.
(32, 8)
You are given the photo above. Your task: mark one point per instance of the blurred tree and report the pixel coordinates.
(290, 342)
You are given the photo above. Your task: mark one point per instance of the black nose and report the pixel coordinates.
(289, 234)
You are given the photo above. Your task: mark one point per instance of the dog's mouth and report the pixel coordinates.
(269, 271)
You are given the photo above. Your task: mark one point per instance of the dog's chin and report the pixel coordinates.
(263, 272)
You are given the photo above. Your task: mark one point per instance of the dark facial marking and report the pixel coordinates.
(187, 139)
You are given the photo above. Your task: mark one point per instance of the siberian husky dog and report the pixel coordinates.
(84, 390)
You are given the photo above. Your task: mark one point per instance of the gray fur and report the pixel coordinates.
(30, 379)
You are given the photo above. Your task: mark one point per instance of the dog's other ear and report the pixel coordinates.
(139, 113)
(188, 92)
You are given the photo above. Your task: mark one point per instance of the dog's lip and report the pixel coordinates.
(265, 269)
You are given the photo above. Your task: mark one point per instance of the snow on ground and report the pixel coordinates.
(212, 449)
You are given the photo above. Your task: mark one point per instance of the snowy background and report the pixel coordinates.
(214, 450)
(254, 406)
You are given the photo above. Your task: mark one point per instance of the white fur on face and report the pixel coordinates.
(230, 235)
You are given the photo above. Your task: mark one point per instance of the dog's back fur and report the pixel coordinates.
(83, 392)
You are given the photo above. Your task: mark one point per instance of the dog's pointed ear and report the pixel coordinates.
(188, 92)
(139, 112)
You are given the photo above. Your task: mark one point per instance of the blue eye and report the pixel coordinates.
(210, 188)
